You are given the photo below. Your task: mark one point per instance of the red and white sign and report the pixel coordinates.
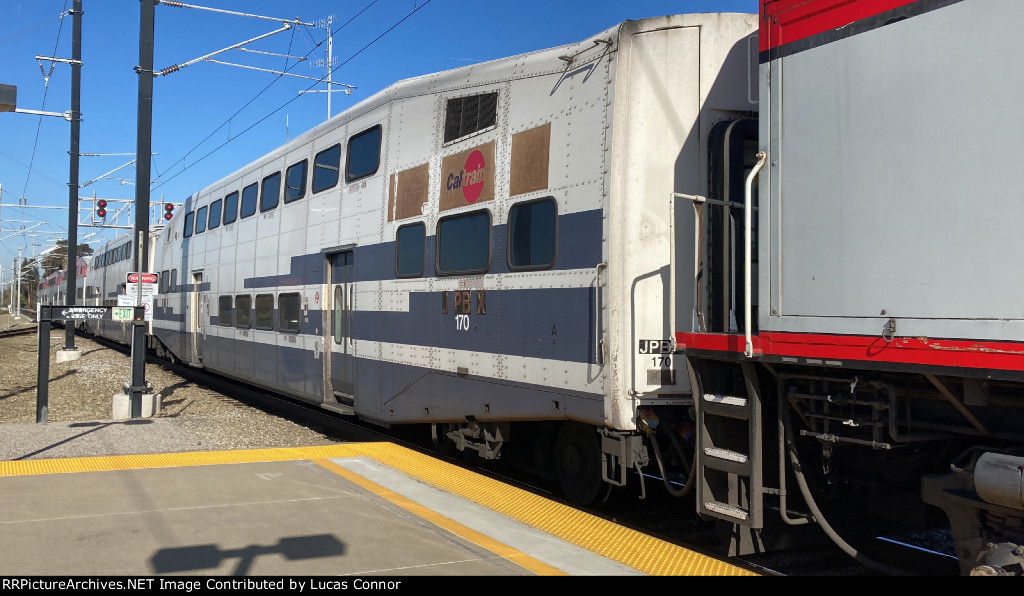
(147, 278)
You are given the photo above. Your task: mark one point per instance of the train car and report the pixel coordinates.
(107, 279)
(483, 250)
(860, 339)
(53, 288)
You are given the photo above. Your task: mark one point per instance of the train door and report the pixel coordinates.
(197, 306)
(339, 364)
(732, 155)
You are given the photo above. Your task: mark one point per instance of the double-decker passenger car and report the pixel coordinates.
(485, 249)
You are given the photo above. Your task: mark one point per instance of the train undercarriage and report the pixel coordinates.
(788, 454)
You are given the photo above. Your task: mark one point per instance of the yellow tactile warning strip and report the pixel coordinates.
(635, 549)
(503, 550)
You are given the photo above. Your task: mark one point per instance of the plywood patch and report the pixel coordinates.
(407, 192)
(468, 177)
(530, 155)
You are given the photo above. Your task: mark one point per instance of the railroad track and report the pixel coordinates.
(15, 331)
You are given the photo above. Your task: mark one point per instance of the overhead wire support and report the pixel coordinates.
(176, 67)
(347, 91)
(294, 21)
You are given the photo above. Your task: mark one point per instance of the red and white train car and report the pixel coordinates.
(858, 340)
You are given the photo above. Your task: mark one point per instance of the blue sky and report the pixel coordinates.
(210, 119)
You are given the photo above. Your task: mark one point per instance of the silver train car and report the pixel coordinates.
(106, 280)
(483, 250)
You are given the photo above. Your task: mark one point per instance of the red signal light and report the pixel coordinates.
(101, 208)
(168, 211)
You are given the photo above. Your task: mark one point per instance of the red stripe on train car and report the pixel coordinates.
(901, 350)
(786, 21)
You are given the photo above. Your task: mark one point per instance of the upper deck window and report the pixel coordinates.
(231, 208)
(363, 154)
(295, 181)
(326, 166)
(466, 115)
(190, 220)
(249, 199)
(215, 214)
(201, 219)
(271, 192)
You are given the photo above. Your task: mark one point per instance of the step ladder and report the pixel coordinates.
(729, 443)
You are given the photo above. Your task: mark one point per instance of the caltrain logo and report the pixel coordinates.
(471, 178)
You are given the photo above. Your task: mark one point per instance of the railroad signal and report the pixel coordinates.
(101, 208)
(168, 211)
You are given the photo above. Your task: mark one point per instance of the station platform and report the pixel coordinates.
(368, 510)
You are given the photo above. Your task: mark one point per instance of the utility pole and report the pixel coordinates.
(143, 162)
(70, 351)
(17, 273)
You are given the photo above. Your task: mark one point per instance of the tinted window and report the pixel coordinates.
(363, 154)
(338, 317)
(264, 311)
(409, 250)
(215, 214)
(201, 220)
(271, 191)
(531, 234)
(243, 311)
(290, 310)
(295, 182)
(463, 243)
(249, 199)
(230, 207)
(224, 317)
(325, 168)
(190, 219)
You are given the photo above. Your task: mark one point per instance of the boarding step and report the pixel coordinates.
(729, 443)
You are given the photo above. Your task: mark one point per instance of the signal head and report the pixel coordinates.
(168, 211)
(101, 208)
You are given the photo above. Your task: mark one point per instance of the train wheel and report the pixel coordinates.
(578, 462)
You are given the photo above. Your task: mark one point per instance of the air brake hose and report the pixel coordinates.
(682, 492)
(831, 533)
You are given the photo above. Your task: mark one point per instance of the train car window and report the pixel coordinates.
(243, 311)
(289, 306)
(325, 168)
(464, 243)
(174, 280)
(338, 316)
(264, 311)
(466, 115)
(409, 250)
(201, 220)
(363, 154)
(295, 181)
(271, 192)
(224, 315)
(163, 282)
(249, 200)
(231, 208)
(190, 220)
(215, 213)
(532, 228)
